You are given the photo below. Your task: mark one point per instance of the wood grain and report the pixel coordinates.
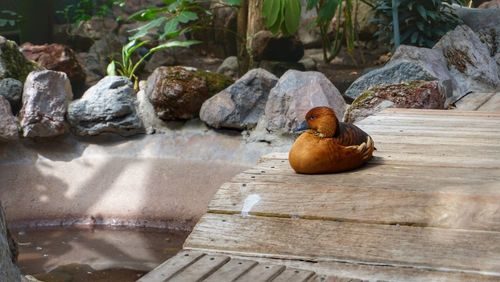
(200, 269)
(231, 270)
(433, 248)
(172, 267)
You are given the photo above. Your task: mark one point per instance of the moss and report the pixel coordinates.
(14, 63)
(367, 94)
(215, 81)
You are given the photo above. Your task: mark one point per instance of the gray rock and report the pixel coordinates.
(108, 106)
(242, 104)
(8, 270)
(279, 68)
(396, 71)
(45, 100)
(229, 67)
(415, 95)
(8, 123)
(294, 95)
(479, 19)
(12, 90)
(469, 60)
(491, 38)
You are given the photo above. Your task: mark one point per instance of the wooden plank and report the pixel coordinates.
(491, 105)
(171, 267)
(432, 248)
(325, 278)
(294, 275)
(231, 270)
(392, 177)
(262, 273)
(359, 204)
(471, 142)
(425, 112)
(437, 119)
(350, 271)
(201, 269)
(472, 101)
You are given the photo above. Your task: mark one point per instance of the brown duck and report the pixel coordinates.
(328, 145)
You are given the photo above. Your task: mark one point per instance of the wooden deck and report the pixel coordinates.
(426, 208)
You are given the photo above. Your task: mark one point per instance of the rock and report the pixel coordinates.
(309, 64)
(56, 57)
(469, 60)
(240, 105)
(224, 28)
(96, 61)
(294, 95)
(12, 62)
(12, 90)
(8, 122)
(45, 100)
(279, 68)
(96, 28)
(267, 47)
(491, 38)
(108, 106)
(177, 93)
(230, 67)
(493, 4)
(8, 270)
(161, 59)
(416, 95)
(478, 19)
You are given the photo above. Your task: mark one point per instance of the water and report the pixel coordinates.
(94, 254)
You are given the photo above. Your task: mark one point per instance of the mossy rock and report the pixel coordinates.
(13, 64)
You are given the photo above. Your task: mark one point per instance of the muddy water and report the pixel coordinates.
(97, 254)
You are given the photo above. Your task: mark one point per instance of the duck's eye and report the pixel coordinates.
(312, 117)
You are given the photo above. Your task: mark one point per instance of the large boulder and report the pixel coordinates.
(8, 122)
(265, 46)
(177, 93)
(8, 270)
(410, 64)
(12, 90)
(108, 106)
(96, 28)
(242, 104)
(416, 95)
(45, 100)
(478, 19)
(56, 57)
(469, 60)
(13, 64)
(491, 38)
(294, 95)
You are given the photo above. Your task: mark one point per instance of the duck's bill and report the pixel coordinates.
(301, 128)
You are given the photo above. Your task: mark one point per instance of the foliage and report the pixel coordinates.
(421, 22)
(282, 16)
(127, 67)
(86, 9)
(9, 18)
(174, 18)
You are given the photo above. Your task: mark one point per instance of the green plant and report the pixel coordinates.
(174, 18)
(283, 17)
(86, 9)
(421, 23)
(127, 67)
(9, 18)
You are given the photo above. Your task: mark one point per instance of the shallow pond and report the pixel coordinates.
(94, 254)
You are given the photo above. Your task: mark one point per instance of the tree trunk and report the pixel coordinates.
(243, 57)
(255, 22)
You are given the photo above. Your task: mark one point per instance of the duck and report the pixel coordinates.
(327, 145)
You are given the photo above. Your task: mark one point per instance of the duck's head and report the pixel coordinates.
(321, 120)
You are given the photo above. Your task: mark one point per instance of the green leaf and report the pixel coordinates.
(130, 48)
(143, 30)
(175, 43)
(292, 16)
(421, 10)
(171, 29)
(271, 11)
(186, 16)
(111, 69)
(327, 11)
(233, 2)
(311, 4)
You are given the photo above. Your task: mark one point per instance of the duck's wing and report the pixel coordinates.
(351, 157)
(349, 134)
